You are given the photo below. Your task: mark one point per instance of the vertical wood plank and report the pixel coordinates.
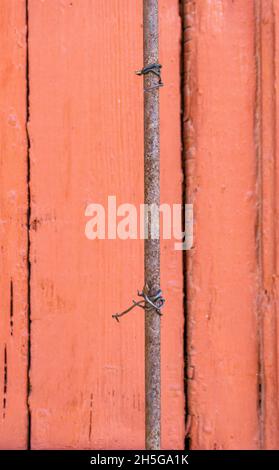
(13, 230)
(268, 136)
(87, 143)
(223, 344)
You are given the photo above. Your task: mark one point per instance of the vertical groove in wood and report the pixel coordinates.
(13, 229)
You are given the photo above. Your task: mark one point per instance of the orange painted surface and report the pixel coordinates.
(13, 232)
(86, 142)
(222, 267)
(267, 51)
(87, 371)
(231, 94)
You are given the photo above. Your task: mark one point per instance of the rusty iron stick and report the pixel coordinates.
(152, 246)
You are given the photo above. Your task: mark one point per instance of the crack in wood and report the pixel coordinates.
(90, 416)
(5, 390)
(11, 307)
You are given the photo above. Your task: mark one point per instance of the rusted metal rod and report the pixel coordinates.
(152, 82)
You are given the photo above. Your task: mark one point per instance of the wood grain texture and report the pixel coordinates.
(13, 229)
(86, 127)
(222, 273)
(86, 139)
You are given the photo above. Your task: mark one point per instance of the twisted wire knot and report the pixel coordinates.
(148, 302)
(156, 70)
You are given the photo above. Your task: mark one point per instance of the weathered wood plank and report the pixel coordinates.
(13, 228)
(267, 22)
(86, 131)
(223, 342)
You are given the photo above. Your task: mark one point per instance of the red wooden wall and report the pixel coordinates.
(85, 142)
(231, 102)
(72, 134)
